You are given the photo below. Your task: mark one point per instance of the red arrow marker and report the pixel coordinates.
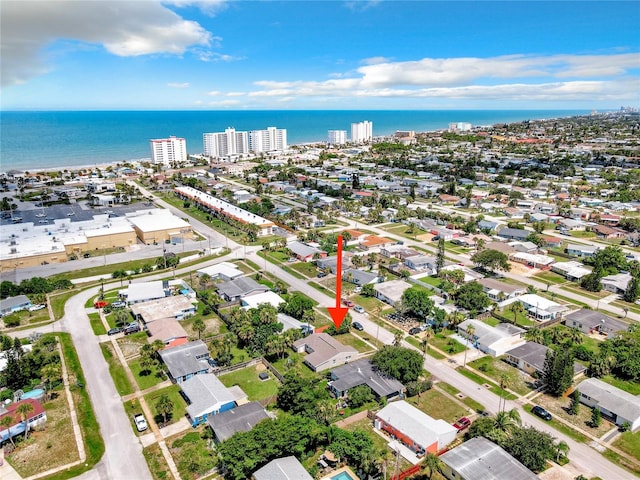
(338, 313)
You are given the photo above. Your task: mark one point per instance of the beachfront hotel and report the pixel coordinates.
(231, 143)
(337, 137)
(362, 132)
(213, 204)
(166, 151)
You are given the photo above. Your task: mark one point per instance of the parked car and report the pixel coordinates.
(141, 422)
(357, 326)
(358, 309)
(322, 275)
(131, 329)
(118, 304)
(348, 302)
(541, 412)
(34, 308)
(115, 331)
(415, 330)
(462, 423)
(357, 290)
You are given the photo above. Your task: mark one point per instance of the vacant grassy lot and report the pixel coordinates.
(248, 380)
(492, 367)
(559, 406)
(306, 269)
(629, 443)
(480, 380)
(550, 277)
(145, 379)
(120, 380)
(157, 463)
(192, 454)
(438, 405)
(294, 361)
(445, 344)
(355, 342)
(52, 447)
(179, 405)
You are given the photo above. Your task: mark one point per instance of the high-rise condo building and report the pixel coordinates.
(269, 140)
(225, 144)
(362, 132)
(166, 151)
(337, 137)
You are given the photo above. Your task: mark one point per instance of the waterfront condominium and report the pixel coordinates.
(166, 151)
(362, 132)
(270, 140)
(337, 137)
(226, 144)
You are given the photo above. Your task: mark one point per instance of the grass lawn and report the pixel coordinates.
(435, 281)
(370, 304)
(248, 380)
(132, 407)
(448, 345)
(581, 291)
(438, 405)
(96, 324)
(156, 462)
(581, 234)
(629, 443)
(627, 385)
(117, 371)
(494, 368)
(550, 277)
(559, 406)
(294, 361)
(58, 302)
(179, 405)
(192, 454)
(305, 268)
(493, 321)
(632, 307)
(146, 380)
(561, 427)
(483, 381)
(355, 342)
(431, 352)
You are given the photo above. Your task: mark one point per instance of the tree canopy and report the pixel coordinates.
(471, 297)
(416, 301)
(491, 260)
(401, 363)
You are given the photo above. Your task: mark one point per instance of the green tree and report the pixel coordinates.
(440, 255)
(164, 406)
(298, 395)
(575, 402)
(470, 296)
(596, 417)
(199, 326)
(360, 395)
(492, 260)
(516, 308)
(432, 464)
(470, 330)
(5, 423)
(632, 292)
(296, 306)
(558, 370)
(401, 363)
(24, 409)
(416, 301)
(368, 290)
(531, 447)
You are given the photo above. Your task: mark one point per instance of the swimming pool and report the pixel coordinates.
(37, 394)
(342, 476)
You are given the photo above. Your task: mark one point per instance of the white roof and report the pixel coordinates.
(156, 219)
(536, 301)
(227, 269)
(138, 292)
(252, 301)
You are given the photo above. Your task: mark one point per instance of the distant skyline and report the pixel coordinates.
(359, 55)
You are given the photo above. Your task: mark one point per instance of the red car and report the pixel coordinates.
(348, 303)
(462, 423)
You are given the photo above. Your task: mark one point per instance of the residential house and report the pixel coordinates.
(499, 291)
(537, 307)
(571, 270)
(487, 225)
(186, 361)
(14, 304)
(421, 262)
(304, 252)
(234, 290)
(502, 247)
(37, 418)
(177, 307)
(569, 224)
(481, 459)
(415, 429)
(168, 331)
(551, 242)
(323, 351)
(616, 283)
(331, 263)
(533, 260)
(616, 405)
(605, 232)
(514, 233)
(240, 419)
(530, 356)
(224, 271)
(359, 277)
(583, 251)
(145, 291)
(257, 299)
(398, 251)
(390, 292)
(285, 468)
(524, 246)
(469, 275)
(592, 321)
(494, 341)
(362, 372)
(373, 243)
(205, 395)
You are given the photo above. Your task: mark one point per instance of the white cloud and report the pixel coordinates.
(361, 5)
(561, 77)
(209, 56)
(208, 7)
(123, 28)
(178, 85)
(225, 103)
(214, 93)
(375, 60)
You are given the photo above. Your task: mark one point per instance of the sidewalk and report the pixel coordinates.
(6, 471)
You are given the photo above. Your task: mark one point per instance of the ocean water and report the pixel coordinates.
(45, 140)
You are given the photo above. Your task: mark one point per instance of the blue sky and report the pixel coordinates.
(182, 55)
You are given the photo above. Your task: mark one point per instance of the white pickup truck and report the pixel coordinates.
(141, 423)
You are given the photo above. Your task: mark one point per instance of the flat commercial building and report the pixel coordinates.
(157, 226)
(362, 132)
(166, 151)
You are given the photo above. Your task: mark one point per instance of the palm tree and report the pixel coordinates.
(562, 449)
(432, 464)
(507, 422)
(164, 406)
(534, 335)
(50, 373)
(199, 326)
(204, 280)
(5, 423)
(455, 318)
(469, 331)
(504, 383)
(517, 309)
(575, 336)
(24, 410)
(397, 338)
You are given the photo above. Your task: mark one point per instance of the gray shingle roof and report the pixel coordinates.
(611, 398)
(286, 468)
(8, 303)
(362, 372)
(481, 459)
(205, 392)
(240, 287)
(185, 359)
(595, 318)
(240, 419)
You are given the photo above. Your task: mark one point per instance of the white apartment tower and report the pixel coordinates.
(165, 151)
(362, 132)
(337, 137)
(225, 144)
(269, 140)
